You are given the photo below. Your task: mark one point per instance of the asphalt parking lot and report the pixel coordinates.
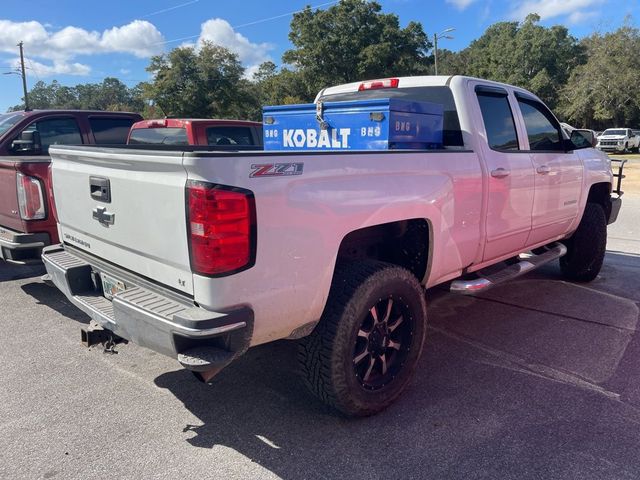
(535, 379)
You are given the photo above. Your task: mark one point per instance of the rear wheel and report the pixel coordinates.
(364, 350)
(586, 247)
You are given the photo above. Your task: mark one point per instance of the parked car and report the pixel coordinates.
(196, 131)
(26, 206)
(619, 140)
(201, 255)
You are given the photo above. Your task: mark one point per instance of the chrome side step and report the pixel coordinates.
(527, 263)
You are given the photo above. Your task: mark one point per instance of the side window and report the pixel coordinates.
(110, 130)
(498, 121)
(56, 131)
(542, 129)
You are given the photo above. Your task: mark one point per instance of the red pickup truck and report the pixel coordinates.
(196, 131)
(26, 202)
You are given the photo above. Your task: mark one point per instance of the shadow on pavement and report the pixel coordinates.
(538, 379)
(12, 271)
(55, 299)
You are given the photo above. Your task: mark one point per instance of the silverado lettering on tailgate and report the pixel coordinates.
(76, 240)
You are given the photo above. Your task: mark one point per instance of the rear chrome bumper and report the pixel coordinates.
(22, 248)
(155, 318)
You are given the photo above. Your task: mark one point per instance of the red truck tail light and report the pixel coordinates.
(30, 198)
(52, 200)
(377, 84)
(221, 228)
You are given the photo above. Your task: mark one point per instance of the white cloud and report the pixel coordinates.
(56, 68)
(460, 4)
(139, 38)
(577, 10)
(220, 32)
(577, 18)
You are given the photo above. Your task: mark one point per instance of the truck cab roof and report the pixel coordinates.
(183, 122)
(408, 82)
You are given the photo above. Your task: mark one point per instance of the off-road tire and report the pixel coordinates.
(327, 356)
(586, 247)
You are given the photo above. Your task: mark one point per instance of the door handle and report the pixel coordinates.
(500, 173)
(543, 169)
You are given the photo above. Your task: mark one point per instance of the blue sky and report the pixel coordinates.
(76, 41)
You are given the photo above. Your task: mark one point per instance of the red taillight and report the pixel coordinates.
(221, 228)
(30, 197)
(52, 201)
(376, 84)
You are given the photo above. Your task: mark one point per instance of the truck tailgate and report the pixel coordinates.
(136, 216)
(8, 195)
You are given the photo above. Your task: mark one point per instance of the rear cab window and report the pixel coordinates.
(110, 130)
(159, 136)
(229, 135)
(451, 135)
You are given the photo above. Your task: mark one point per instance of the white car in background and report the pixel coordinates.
(619, 140)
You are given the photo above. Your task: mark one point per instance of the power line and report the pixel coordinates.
(33, 69)
(164, 10)
(191, 37)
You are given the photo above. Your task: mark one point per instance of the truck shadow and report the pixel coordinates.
(54, 299)
(540, 378)
(12, 271)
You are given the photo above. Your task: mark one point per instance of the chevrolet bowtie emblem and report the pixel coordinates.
(101, 215)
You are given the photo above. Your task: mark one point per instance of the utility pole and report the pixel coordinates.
(435, 51)
(24, 78)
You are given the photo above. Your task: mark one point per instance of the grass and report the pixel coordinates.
(631, 182)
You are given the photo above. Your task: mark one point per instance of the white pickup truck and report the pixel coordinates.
(201, 254)
(619, 140)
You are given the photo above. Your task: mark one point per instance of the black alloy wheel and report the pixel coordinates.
(382, 344)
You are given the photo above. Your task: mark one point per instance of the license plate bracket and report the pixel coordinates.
(111, 286)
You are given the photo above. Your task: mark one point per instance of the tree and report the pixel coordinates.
(353, 41)
(200, 82)
(283, 87)
(526, 54)
(111, 94)
(604, 91)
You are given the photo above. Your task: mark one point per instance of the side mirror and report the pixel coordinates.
(583, 139)
(27, 142)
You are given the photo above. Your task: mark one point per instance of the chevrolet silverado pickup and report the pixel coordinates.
(201, 254)
(618, 140)
(26, 207)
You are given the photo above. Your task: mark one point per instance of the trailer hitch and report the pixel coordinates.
(95, 334)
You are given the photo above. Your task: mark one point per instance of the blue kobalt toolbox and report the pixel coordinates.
(380, 124)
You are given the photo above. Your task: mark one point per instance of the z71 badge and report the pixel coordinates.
(276, 169)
